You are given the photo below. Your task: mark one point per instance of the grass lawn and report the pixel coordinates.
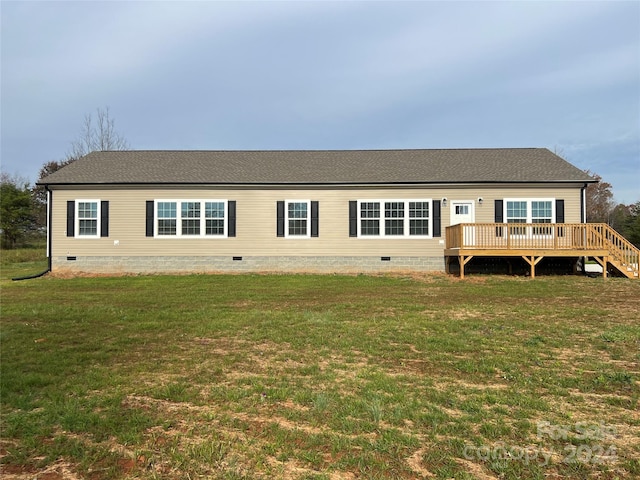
(319, 377)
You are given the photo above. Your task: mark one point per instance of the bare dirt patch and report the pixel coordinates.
(56, 471)
(478, 471)
(415, 464)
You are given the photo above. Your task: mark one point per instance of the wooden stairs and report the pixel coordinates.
(623, 255)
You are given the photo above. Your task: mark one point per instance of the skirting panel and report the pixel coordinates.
(213, 264)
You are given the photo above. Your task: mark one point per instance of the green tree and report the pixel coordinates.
(631, 229)
(16, 210)
(626, 220)
(619, 216)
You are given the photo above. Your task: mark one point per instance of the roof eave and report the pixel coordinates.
(266, 184)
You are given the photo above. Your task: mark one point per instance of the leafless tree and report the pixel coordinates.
(97, 134)
(599, 200)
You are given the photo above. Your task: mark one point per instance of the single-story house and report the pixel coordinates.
(307, 211)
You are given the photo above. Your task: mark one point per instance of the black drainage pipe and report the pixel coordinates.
(29, 277)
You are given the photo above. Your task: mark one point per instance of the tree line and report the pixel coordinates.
(23, 207)
(601, 208)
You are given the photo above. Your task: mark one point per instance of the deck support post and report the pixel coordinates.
(603, 263)
(532, 261)
(463, 259)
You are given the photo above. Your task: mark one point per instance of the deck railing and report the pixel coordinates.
(542, 236)
(582, 238)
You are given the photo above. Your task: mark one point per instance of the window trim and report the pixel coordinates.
(179, 218)
(406, 224)
(286, 218)
(529, 210)
(529, 231)
(77, 218)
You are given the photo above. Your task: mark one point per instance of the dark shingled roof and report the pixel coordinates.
(314, 167)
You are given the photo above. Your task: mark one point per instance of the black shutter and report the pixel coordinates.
(559, 211)
(437, 222)
(150, 204)
(499, 211)
(71, 218)
(499, 216)
(280, 218)
(560, 216)
(314, 218)
(104, 218)
(353, 218)
(231, 218)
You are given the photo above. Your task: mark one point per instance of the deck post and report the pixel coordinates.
(533, 269)
(532, 261)
(463, 261)
(603, 263)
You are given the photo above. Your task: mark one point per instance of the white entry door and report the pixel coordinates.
(463, 212)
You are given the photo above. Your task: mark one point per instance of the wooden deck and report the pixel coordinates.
(533, 242)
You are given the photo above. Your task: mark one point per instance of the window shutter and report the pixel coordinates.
(353, 218)
(150, 220)
(231, 218)
(499, 216)
(437, 222)
(71, 218)
(314, 218)
(104, 218)
(499, 211)
(560, 216)
(280, 218)
(559, 211)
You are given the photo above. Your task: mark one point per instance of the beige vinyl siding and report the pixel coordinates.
(256, 220)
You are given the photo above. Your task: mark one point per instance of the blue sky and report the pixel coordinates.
(327, 75)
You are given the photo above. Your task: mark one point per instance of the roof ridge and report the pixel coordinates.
(314, 150)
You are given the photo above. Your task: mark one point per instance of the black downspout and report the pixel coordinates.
(49, 238)
(49, 226)
(583, 218)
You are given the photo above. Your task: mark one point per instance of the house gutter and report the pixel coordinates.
(49, 239)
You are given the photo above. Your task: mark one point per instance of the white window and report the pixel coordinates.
(87, 218)
(167, 223)
(190, 218)
(394, 218)
(214, 218)
(369, 218)
(297, 218)
(535, 211)
(419, 218)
